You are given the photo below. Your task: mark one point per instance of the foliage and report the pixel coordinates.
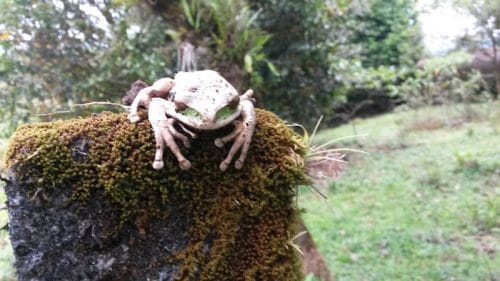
(487, 15)
(136, 51)
(444, 80)
(58, 53)
(315, 41)
(386, 32)
(304, 42)
(280, 48)
(48, 48)
(365, 91)
(54, 54)
(408, 211)
(373, 80)
(441, 80)
(225, 34)
(236, 40)
(486, 36)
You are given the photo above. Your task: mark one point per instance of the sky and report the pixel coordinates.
(441, 26)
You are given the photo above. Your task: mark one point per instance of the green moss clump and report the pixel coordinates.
(248, 214)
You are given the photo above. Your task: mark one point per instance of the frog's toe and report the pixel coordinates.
(239, 164)
(158, 164)
(224, 165)
(184, 164)
(134, 118)
(219, 143)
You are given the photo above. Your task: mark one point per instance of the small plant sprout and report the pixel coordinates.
(323, 163)
(291, 241)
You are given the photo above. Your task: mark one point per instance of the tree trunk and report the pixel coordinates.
(497, 84)
(313, 262)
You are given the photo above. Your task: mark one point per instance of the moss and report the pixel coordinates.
(246, 216)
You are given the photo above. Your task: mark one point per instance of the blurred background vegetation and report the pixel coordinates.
(341, 59)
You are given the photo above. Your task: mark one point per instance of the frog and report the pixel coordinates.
(196, 101)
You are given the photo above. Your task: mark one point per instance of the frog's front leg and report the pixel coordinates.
(165, 134)
(242, 133)
(160, 88)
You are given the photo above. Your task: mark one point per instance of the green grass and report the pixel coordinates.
(424, 205)
(6, 255)
(7, 272)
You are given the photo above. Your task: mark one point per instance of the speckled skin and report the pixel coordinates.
(205, 92)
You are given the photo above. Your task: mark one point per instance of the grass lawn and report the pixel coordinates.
(424, 205)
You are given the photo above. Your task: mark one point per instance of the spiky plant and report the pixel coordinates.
(323, 162)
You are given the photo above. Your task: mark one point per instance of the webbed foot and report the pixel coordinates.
(134, 118)
(158, 164)
(166, 134)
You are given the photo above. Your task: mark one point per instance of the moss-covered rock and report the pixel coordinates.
(200, 224)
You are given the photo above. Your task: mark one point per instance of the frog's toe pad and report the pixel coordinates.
(134, 118)
(219, 143)
(158, 164)
(223, 166)
(185, 165)
(238, 164)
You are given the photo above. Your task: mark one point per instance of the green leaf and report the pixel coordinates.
(248, 63)
(187, 12)
(272, 67)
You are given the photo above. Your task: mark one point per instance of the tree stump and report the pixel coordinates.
(85, 204)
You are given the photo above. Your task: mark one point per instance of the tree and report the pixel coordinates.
(306, 38)
(487, 37)
(48, 48)
(58, 53)
(282, 49)
(386, 32)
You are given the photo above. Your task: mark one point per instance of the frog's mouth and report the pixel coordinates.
(223, 117)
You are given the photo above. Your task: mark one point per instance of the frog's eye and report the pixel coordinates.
(180, 106)
(185, 110)
(234, 102)
(191, 112)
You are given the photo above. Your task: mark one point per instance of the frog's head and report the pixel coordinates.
(205, 100)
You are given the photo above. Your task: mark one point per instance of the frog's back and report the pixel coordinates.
(198, 81)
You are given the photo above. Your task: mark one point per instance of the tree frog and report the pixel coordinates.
(201, 100)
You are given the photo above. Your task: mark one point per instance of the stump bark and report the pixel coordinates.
(85, 204)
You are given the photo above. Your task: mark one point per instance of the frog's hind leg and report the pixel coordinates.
(184, 164)
(249, 122)
(176, 134)
(238, 127)
(236, 146)
(242, 134)
(160, 146)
